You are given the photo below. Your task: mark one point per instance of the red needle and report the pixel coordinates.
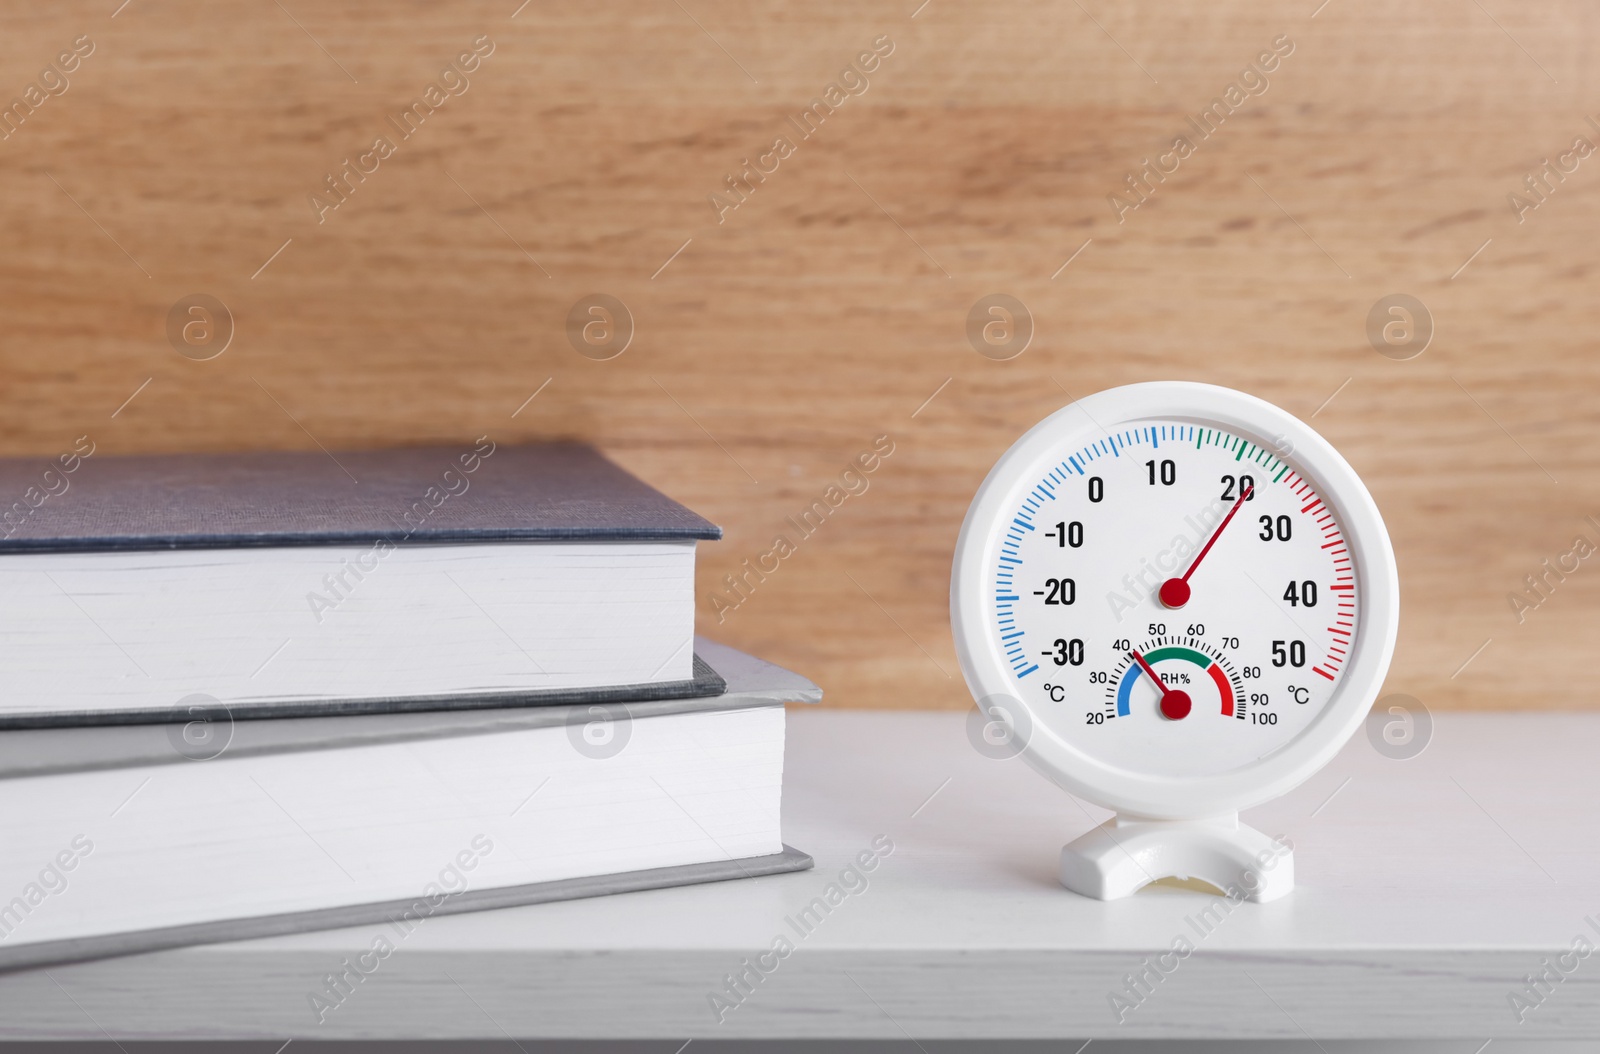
(1174, 592)
(1175, 703)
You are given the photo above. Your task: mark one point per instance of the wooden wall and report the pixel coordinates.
(830, 305)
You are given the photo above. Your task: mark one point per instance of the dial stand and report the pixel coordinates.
(1127, 853)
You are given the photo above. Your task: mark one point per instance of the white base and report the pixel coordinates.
(1124, 854)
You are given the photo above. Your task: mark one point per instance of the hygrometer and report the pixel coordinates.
(1179, 601)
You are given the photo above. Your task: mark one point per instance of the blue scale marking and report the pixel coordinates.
(1125, 688)
(1074, 463)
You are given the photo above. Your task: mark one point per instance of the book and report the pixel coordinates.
(277, 584)
(129, 838)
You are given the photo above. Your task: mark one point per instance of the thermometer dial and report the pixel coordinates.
(1180, 598)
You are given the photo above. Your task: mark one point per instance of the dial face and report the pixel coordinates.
(1172, 599)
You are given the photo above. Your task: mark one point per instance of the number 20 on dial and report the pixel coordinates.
(1180, 601)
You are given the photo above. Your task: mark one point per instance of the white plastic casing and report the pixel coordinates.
(1142, 794)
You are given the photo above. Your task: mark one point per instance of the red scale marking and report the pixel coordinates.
(1345, 581)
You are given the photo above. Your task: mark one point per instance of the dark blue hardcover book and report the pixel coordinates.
(86, 500)
(145, 588)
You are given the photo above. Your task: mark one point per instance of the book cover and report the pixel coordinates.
(480, 492)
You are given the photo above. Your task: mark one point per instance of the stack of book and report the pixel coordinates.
(248, 694)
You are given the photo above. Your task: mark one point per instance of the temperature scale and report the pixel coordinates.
(1177, 601)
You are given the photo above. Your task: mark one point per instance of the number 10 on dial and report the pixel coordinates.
(1180, 601)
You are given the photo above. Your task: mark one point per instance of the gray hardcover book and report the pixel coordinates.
(126, 838)
(141, 589)
(90, 502)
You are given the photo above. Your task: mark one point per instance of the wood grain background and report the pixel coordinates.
(832, 304)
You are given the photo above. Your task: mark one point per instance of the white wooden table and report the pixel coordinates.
(1428, 889)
